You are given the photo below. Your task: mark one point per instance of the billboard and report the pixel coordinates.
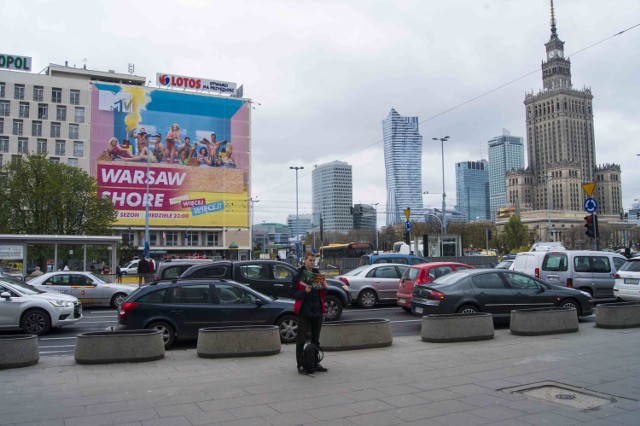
(186, 153)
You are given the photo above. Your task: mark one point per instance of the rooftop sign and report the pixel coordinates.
(14, 62)
(195, 83)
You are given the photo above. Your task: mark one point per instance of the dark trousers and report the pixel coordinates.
(305, 325)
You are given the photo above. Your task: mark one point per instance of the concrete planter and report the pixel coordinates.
(538, 321)
(107, 347)
(240, 341)
(356, 334)
(457, 327)
(18, 350)
(618, 315)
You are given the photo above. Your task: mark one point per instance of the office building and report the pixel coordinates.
(472, 190)
(403, 167)
(332, 185)
(364, 216)
(304, 225)
(506, 153)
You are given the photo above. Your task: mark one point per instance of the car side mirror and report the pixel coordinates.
(260, 302)
(540, 289)
(5, 295)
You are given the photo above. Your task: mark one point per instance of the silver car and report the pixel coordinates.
(373, 284)
(86, 286)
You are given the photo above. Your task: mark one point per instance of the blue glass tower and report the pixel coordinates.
(506, 152)
(472, 190)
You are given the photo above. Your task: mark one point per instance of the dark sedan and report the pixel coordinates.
(180, 308)
(494, 291)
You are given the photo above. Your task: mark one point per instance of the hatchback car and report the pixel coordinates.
(423, 274)
(174, 268)
(179, 308)
(86, 286)
(627, 284)
(373, 284)
(495, 291)
(24, 307)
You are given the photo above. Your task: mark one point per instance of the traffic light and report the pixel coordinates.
(590, 225)
(489, 235)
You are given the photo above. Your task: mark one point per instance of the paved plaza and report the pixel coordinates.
(411, 382)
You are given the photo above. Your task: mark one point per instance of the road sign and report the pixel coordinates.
(407, 226)
(588, 188)
(590, 205)
(407, 213)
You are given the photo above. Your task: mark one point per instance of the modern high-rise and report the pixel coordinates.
(506, 153)
(333, 195)
(472, 190)
(302, 223)
(403, 165)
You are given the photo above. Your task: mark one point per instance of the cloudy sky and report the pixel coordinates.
(324, 74)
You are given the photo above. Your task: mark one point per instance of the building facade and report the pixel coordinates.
(332, 187)
(506, 153)
(304, 224)
(472, 190)
(403, 167)
(364, 216)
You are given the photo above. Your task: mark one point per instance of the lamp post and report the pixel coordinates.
(546, 180)
(444, 195)
(253, 201)
(375, 224)
(146, 207)
(296, 168)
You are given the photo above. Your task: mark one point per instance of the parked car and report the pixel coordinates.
(373, 284)
(179, 308)
(406, 259)
(130, 268)
(495, 291)
(504, 264)
(423, 274)
(627, 284)
(86, 286)
(172, 269)
(34, 311)
(270, 277)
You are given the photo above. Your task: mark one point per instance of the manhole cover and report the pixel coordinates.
(563, 394)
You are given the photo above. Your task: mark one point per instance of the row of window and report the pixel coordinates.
(43, 111)
(38, 93)
(72, 162)
(55, 129)
(42, 146)
(173, 238)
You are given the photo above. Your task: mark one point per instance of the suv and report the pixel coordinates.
(270, 277)
(627, 285)
(405, 259)
(172, 269)
(24, 307)
(180, 308)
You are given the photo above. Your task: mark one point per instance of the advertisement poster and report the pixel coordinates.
(186, 153)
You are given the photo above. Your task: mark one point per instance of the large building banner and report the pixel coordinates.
(186, 153)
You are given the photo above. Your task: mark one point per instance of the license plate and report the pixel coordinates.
(553, 279)
(401, 300)
(419, 310)
(631, 280)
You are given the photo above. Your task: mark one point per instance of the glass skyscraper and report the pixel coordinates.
(403, 165)
(472, 189)
(333, 195)
(506, 152)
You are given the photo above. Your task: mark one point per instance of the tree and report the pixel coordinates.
(40, 197)
(515, 233)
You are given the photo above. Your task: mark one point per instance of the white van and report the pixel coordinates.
(528, 262)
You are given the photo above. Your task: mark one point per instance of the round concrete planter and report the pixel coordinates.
(457, 327)
(107, 347)
(356, 334)
(241, 341)
(618, 315)
(538, 321)
(18, 350)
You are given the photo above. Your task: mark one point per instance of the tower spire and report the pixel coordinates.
(553, 21)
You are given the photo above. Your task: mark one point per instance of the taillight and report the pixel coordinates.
(617, 276)
(344, 280)
(435, 295)
(537, 273)
(418, 281)
(569, 282)
(125, 308)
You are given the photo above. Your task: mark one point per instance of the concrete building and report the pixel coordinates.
(403, 167)
(332, 187)
(506, 153)
(304, 225)
(472, 190)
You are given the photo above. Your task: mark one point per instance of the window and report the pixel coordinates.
(190, 238)
(5, 108)
(214, 271)
(127, 238)
(42, 146)
(555, 262)
(522, 282)
(281, 273)
(4, 144)
(436, 273)
(2, 87)
(193, 294)
(383, 272)
(259, 271)
(231, 295)
(171, 238)
(78, 116)
(488, 281)
(1, 125)
(78, 149)
(43, 111)
(213, 239)
(61, 113)
(60, 147)
(72, 162)
(17, 127)
(54, 160)
(600, 264)
(73, 131)
(23, 111)
(74, 97)
(55, 130)
(23, 145)
(56, 95)
(154, 296)
(581, 264)
(18, 92)
(36, 128)
(38, 93)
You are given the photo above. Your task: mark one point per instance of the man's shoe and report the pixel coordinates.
(301, 370)
(321, 369)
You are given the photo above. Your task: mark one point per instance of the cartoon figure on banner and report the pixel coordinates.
(172, 138)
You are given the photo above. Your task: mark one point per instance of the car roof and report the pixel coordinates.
(384, 255)
(436, 264)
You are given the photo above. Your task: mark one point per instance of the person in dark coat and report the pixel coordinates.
(143, 270)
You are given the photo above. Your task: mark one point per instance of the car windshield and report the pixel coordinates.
(21, 287)
(357, 270)
(448, 278)
(632, 265)
(97, 278)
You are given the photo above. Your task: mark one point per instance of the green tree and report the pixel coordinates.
(515, 233)
(40, 197)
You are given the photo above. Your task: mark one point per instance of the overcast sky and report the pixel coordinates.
(324, 74)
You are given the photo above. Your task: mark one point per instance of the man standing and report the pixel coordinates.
(309, 307)
(143, 270)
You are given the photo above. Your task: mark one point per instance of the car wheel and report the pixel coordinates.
(367, 299)
(468, 309)
(406, 309)
(288, 326)
(117, 300)
(36, 321)
(168, 332)
(333, 308)
(570, 303)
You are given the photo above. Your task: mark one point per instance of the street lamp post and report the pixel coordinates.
(296, 168)
(375, 224)
(444, 195)
(146, 207)
(253, 201)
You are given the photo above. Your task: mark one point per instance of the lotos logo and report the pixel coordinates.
(164, 79)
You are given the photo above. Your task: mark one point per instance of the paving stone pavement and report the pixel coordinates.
(411, 382)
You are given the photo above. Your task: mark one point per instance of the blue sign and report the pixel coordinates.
(590, 205)
(407, 226)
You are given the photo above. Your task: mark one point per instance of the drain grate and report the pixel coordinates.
(567, 395)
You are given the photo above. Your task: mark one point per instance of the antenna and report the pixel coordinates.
(132, 68)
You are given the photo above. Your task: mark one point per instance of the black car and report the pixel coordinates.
(270, 277)
(179, 308)
(496, 291)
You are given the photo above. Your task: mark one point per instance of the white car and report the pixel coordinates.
(86, 286)
(24, 307)
(131, 268)
(627, 285)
